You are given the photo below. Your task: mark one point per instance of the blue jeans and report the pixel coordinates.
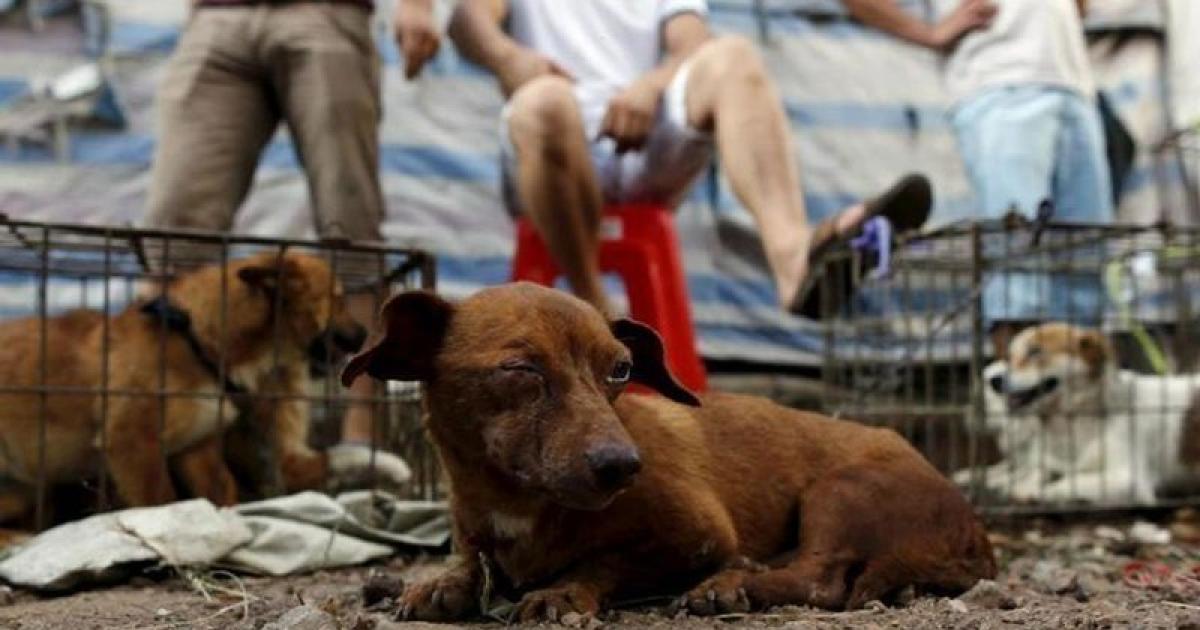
(1022, 145)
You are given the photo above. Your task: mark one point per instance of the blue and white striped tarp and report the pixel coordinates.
(864, 108)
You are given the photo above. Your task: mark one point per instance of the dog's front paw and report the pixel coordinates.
(552, 603)
(720, 594)
(446, 598)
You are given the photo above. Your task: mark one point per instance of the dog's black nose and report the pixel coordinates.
(998, 383)
(350, 340)
(613, 465)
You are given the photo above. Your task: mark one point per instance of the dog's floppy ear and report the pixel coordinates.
(413, 328)
(649, 361)
(1096, 350)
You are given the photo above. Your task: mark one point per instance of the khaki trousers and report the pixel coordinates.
(238, 72)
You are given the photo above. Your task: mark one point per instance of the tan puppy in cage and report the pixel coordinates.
(181, 366)
(1075, 427)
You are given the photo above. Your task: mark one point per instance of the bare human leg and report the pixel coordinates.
(730, 94)
(555, 181)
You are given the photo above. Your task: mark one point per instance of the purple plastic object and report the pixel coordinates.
(876, 237)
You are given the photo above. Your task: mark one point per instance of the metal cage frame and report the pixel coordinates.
(54, 267)
(908, 349)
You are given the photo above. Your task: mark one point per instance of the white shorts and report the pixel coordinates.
(675, 154)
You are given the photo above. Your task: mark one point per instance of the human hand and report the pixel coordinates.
(970, 15)
(416, 34)
(522, 65)
(631, 113)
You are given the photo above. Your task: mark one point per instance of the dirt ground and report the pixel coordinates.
(1077, 576)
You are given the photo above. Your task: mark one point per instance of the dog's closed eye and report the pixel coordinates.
(523, 366)
(521, 379)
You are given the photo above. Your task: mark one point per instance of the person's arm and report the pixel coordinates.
(416, 34)
(631, 113)
(477, 33)
(887, 16)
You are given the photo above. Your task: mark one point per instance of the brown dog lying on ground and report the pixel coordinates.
(575, 496)
(275, 307)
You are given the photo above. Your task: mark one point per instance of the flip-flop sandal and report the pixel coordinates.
(906, 205)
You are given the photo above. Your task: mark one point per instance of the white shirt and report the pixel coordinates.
(604, 44)
(1183, 38)
(1030, 42)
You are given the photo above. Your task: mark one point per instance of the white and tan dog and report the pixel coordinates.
(1025, 466)
(1074, 427)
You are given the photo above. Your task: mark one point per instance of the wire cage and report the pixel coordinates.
(1091, 407)
(1179, 152)
(138, 366)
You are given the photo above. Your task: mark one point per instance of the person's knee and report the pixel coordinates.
(724, 66)
(544, 113)
(732, 58)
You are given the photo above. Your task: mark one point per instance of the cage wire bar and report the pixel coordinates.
(52, 271)
(913, 350)
(1179, 152)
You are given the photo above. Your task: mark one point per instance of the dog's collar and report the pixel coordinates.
(178, 321)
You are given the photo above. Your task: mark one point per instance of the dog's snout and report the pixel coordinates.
(332, 345)
(998, 383)
(613, 465)
(350, 340)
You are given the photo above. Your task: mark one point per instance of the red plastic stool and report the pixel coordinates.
(638, 243)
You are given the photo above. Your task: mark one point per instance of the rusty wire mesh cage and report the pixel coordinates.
(1096, 416)
(125, 353)
(1179, 152)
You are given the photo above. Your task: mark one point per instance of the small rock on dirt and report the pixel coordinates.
(1053, 578)
(957, 606)
(1148, 533)
(362, 622)
(1191, 622)
(304, 618)
(988, 595)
